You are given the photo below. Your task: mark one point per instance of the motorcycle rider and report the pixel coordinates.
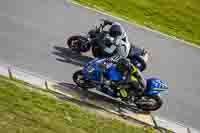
(131, 76)
(121, 47)
(120, 44)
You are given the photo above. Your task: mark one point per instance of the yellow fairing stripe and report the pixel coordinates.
(158, 89)
(123, 93)
(133, 69)
(133, 78)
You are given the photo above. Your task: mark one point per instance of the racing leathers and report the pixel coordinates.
(135, 79)
(120, 45)
(131, 77)
(122, 48)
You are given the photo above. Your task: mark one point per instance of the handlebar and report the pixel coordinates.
(100, 27)
(105, 21)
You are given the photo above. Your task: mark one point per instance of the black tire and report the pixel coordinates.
(85, 84)
(92, 33)
(96, 52)
(148, 107)
(75, 43)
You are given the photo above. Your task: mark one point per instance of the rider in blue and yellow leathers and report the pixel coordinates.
(130, 76)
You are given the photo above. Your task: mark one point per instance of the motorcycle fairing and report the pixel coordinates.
(155, 86)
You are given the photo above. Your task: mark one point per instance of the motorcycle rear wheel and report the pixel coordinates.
(76, 43)
(149, 102)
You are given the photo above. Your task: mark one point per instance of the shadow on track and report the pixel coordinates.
(77, 93)
(98, 102)
(68, 56)
(97, 99)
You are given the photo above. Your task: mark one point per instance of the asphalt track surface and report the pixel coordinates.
(33, 34)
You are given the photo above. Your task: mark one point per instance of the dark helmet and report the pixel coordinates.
(115, 30)
(123, 65)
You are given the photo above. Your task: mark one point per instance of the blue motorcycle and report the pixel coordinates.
(89, 77)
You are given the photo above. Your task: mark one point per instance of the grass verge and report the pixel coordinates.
(180, 18)
(25, 110)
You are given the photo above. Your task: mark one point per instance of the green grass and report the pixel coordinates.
(180, 18)
(26, 111)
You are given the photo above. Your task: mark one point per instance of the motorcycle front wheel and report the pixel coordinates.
(78, 43)
(149, 102)
(78, 78)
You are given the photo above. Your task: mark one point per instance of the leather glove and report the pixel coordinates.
(145, 51)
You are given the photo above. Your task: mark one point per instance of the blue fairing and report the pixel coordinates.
(113, 74)
(93, 66)
(155, 86)
(92, 70)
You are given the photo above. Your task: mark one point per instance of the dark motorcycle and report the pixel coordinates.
(91, 41)
(83, 44)
(89, 77)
